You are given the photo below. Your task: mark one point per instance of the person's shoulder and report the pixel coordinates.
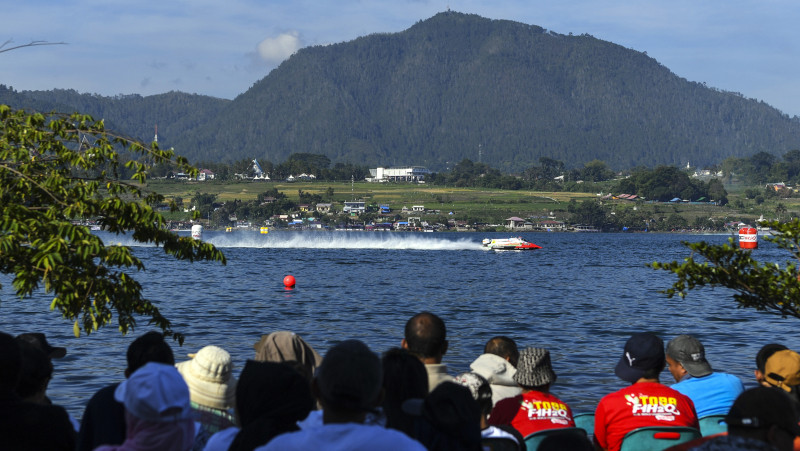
(732, 379)
(104, 394)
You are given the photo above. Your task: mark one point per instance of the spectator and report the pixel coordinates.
(761, 360)
(498, 365)
(347, 385)
(284, 346)
(35, 373)
(158, 413)
(448, 419)
(711, 392)
(644, 403)
(761, 419)
(103, 421)
(536, 408)
(404, 377)
(270, 399)
(26, 425)
(783, 371)
(209, 375)
(481, 392)
(426, 337)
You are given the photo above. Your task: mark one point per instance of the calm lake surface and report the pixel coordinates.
(580, 296)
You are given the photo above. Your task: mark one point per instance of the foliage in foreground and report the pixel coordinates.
(61, 168)
(763, 286)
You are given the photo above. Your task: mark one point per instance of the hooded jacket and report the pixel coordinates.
(500, 375)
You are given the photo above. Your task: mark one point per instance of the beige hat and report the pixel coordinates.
(209, 376)
(783, 370)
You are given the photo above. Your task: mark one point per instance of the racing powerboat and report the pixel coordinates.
(509, 244)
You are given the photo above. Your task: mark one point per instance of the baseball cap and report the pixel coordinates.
(690, 353)
(39, 340)
(783, 369)
(762, 407)
(155, 392)
(643, 351)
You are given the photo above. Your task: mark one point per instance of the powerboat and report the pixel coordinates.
(509, 244)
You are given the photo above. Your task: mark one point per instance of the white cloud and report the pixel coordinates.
(277, 49)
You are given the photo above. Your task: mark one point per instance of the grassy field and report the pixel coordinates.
(475, 203)
(470, 201)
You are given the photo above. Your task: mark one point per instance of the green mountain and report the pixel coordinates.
(459, 86)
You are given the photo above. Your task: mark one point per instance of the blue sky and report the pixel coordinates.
(220, 48)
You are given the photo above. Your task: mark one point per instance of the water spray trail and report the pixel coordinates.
(321, 240)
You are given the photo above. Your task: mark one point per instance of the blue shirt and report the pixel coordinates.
(713, 394)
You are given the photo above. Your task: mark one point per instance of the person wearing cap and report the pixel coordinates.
(347, 385)
(761, 418)
(37, 369)
(27, 425)
(498, 364)
(426, 337)
(158, 413)
(285, 346)
(711, 392)
(762, 356)
(535, 409)
(782, 370)
(481, 392)
(209, 375)
(646, 402)
(103, 421)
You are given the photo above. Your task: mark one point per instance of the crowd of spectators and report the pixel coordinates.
(289, 397)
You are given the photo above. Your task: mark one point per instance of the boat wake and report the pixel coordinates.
(325, 240)
(344, 240)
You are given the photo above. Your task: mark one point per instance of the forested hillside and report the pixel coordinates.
(460, 86)
(177, 114)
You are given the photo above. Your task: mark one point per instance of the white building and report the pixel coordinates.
(399, 174)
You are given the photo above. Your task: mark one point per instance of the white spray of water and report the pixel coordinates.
(343, 240)
(324, 240)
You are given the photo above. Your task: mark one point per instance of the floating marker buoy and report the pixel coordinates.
(748, 238)
(197, 232)
(288, 281)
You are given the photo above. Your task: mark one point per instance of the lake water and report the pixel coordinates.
(580, 296)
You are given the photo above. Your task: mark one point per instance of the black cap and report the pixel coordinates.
(40, 341)
(643, 351)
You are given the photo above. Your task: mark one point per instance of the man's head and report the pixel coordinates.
(686, 355)
(150, 347)
(35, 372)
(642, 358)
(348, 382)
(503, 347)
(765, 414)
(426, 337)
(534, 372)
(783, 370)
(761, 359)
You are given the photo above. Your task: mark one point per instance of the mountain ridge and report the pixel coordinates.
(460, 86)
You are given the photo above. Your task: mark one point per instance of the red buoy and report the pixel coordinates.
(748, 238)
(288, 281)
